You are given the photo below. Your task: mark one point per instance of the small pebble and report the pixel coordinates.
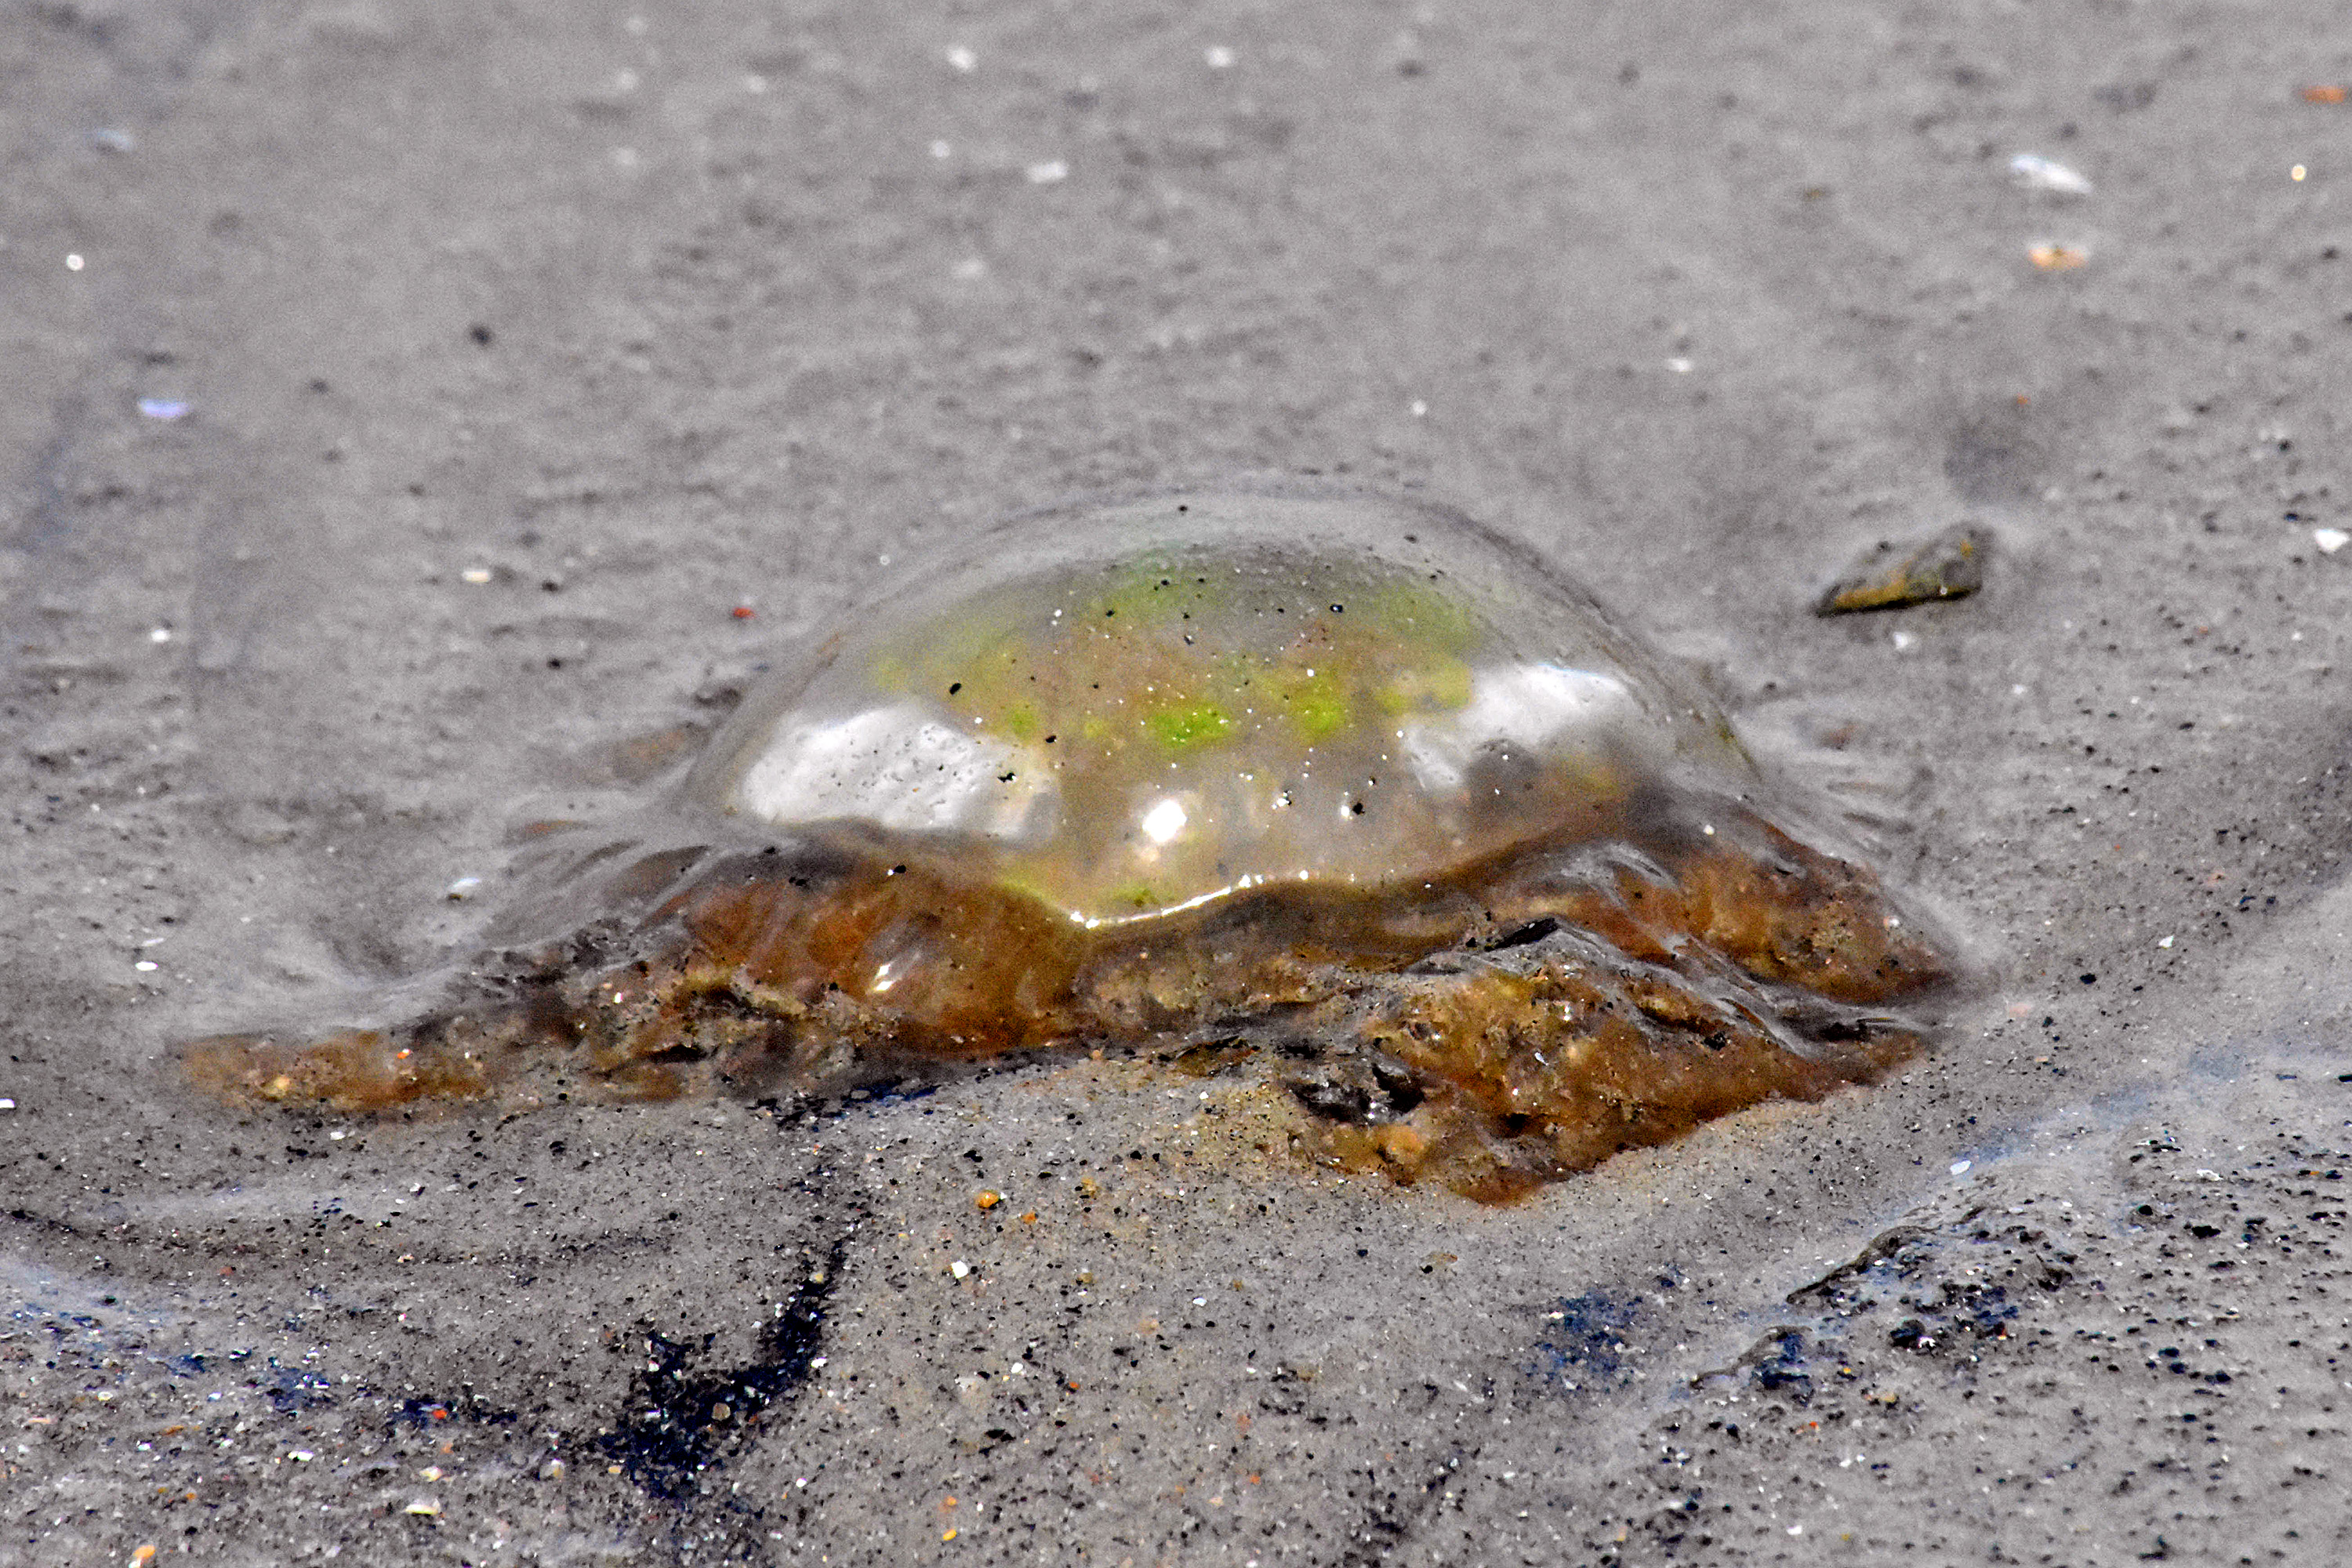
(2040, 174)
(7, 1104)
(166, 408)
(1948, 565)
(1960, 1167)
(2330, 539)
(960, 1269)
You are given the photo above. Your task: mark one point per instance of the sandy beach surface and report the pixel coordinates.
(404, 403)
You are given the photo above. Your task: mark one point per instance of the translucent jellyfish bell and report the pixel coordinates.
(1147, 708)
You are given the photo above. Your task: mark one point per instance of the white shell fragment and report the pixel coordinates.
(2035, 172)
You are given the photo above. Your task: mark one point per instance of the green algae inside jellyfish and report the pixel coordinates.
(1145, 706)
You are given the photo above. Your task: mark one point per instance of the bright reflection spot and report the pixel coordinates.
(1534, 706)
(901, 768)
(1164, 821)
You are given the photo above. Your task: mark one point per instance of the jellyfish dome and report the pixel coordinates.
(1150, 707)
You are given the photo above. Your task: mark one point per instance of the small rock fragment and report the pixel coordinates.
(1945, 565)
(2037, 172)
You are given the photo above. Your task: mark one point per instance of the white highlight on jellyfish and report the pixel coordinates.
(1164, 821)
(1530, 706)
(899, 767)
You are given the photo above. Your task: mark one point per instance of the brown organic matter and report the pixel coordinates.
(1520, 1021)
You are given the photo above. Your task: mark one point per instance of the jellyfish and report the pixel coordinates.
(1346, 785)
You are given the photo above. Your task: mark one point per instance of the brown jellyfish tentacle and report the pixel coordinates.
(798, 966)
(1733, 887)
(346, 1071)
(1496, 1079)
(1249, 957)
(1786, 912)
(807, 969)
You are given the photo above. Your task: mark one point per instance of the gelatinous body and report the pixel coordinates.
(1350, 783)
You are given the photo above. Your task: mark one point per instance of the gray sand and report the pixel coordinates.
(649, 319)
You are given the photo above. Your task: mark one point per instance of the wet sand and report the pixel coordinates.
(493, 360)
